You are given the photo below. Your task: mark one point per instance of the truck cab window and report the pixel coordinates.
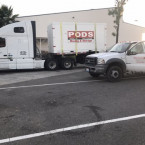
(137, 49)
(19, 29)
(2, 42)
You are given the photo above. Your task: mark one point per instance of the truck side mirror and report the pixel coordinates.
(128, 52)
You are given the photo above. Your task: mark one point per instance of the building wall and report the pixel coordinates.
(128, 32)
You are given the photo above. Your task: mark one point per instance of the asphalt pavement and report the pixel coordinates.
(32, 112)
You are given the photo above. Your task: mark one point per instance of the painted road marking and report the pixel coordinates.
(52, 84)
(8, 140)
(65, 83)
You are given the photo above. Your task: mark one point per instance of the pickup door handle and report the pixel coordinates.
(5, 55)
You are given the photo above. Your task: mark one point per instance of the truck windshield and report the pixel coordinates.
(120, 47)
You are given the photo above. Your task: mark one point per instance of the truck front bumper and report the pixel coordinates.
(98, 69)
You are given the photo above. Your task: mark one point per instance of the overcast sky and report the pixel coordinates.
(134, 10)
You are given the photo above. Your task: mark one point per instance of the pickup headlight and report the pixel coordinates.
(101, 61)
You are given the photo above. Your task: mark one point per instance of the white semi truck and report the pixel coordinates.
(68, 44)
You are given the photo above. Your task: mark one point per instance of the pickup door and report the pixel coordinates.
(135, 58)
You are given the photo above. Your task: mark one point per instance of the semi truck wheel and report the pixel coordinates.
(94, 74)
(51, 64)
(67, 64)
(114, 73)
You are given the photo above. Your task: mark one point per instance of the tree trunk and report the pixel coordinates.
(117, 34)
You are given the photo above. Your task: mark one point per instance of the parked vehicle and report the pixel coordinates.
(69, 43)
(122, 58)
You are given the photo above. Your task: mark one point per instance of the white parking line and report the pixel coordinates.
(65, 83)
(8, 140)
(53, 84)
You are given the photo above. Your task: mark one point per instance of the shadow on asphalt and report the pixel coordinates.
(4, 72)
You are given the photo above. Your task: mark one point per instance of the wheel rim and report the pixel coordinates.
(52, 65)
(67, 64)
(114, 74)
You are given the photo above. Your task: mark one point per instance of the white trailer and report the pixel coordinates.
(68, 44)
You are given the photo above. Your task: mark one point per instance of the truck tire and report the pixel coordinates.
(114, 74)
(51, 64)
(67, 64)
(94, 74)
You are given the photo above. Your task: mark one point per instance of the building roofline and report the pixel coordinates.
(65, 12)
(133, 24)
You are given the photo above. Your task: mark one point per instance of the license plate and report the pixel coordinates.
(87, 70)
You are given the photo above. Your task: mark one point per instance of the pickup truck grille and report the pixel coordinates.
(90, 61)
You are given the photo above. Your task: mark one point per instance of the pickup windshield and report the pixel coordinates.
(120, 47)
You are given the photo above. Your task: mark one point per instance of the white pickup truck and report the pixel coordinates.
(122, 58)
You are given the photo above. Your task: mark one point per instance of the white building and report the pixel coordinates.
(128, 32)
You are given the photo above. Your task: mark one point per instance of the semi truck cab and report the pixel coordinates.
(18, 46)
(122, 58)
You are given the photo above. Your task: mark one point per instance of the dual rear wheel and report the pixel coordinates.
(53, 64)
(67, 63)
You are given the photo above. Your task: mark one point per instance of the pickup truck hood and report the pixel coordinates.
(108, 55)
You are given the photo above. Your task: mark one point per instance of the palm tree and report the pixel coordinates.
(6, 15)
